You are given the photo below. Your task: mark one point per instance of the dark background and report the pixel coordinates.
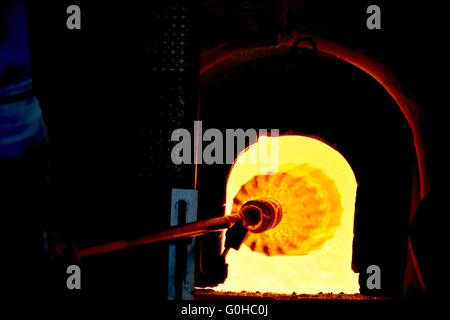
(111, 101)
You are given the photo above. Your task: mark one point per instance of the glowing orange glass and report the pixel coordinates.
(310, 251)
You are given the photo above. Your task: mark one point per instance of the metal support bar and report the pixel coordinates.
(182, 255)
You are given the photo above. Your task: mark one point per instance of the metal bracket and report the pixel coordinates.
(183, 210)
(296, 46)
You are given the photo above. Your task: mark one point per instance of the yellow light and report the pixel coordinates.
(310, 251)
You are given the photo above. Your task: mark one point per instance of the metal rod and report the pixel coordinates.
(179, 232)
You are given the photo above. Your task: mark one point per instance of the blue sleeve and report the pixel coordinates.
(21, 122)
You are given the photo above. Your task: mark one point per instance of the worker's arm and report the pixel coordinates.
(21, 123)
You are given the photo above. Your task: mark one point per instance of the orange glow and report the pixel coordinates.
(310, 251)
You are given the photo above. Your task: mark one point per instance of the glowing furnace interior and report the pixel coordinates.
(310, 251)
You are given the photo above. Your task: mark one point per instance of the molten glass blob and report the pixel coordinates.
(310, 251)
(311, 205)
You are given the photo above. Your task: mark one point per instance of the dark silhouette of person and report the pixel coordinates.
(30, 253)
